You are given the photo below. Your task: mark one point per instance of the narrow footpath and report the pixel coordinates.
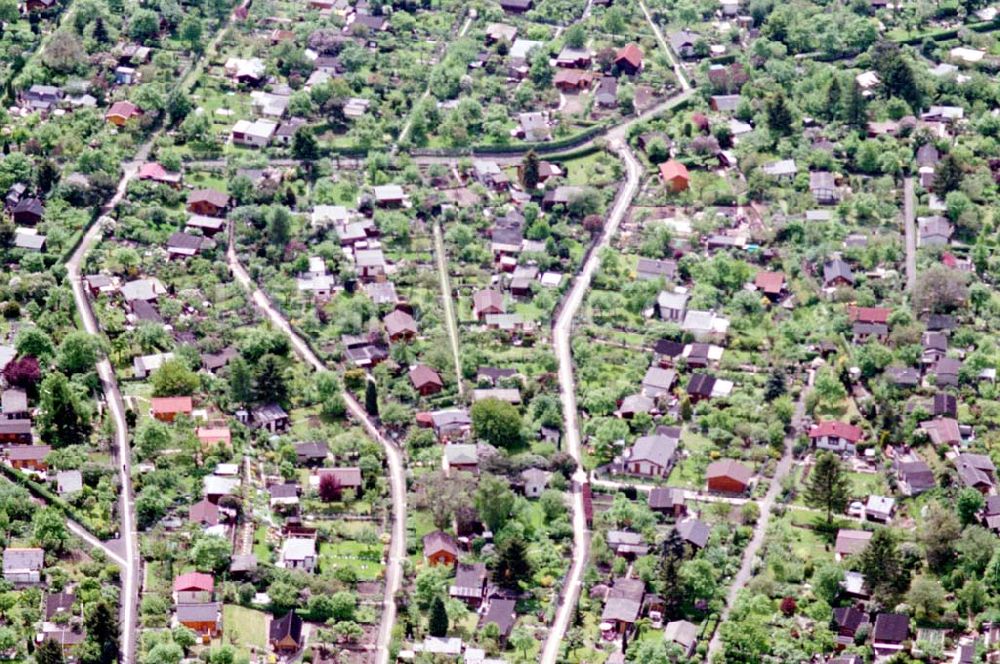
(394, 457)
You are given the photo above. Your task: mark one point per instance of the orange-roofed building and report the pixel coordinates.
(629, 59)
(121, 112)
(675, 175)
(166, 409)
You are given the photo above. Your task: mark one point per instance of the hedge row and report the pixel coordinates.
(53, 499)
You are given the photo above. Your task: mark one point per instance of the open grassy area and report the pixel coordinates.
(244, 629)
(362, 558)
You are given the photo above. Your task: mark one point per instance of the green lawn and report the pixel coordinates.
(260, 546)
(364, 559)
(244, 629)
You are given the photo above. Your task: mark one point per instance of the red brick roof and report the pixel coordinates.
(152, 171)
(631, 53)
(194, 581)
(124, 109)
(838, 429)
(770, 282)
(172, 405)
(673, 169)
(868, 314)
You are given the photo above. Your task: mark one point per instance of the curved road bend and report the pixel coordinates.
(397, 480)
(561, 343)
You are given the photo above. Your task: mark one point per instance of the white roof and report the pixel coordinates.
(782, 167)
(252, 67)
(269, 103)
(967, 54)
(451, 646)
(867, 79)
(520, 49)
(227, 469)
(152, 362)
(722, 388)
(322, 214)
(705, 321)
(551, 279)
(880, 504)
(388, 192)
(219, 486)
(943, 69)
(258, 128)
(675, 301)
(298, 548)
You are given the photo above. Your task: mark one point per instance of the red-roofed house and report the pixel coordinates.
(193, 588)
(121, 112)
(628, 59)
(153, 171)
(675, 175)
(728, 476)
(869, 314)
(166, 409)
(772, 284)
(836, 436)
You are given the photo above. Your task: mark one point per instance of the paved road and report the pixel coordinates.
(760, 529)
(394, 457)
(449, 304)
(127, 534)
(561, 338)
(909, 220)
(122, 451)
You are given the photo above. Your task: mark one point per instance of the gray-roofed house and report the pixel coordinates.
(298, 553)
(651, 456)
(658, 382)
(694, 532)
(502, 613)
(623, 604)
(534, 127)
(683, 634)
(535, 481)
(934, 231)
(783, 169)
(69, 482)
(683, 43)
(914, 477)
(823, 187)
(837, 273)
(23, 565)
(14, 404)
(469, 585)
(271, 417)
(672, 306)
(649, 269)
(668, 500)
